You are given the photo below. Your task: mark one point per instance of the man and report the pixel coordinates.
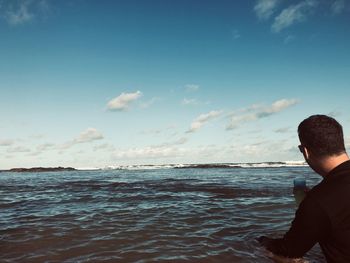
(324, 215)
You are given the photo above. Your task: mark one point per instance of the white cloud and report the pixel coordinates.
(44, 6)
(65, 146)
(164, 150)
(172, 154)
(105, 146)
(45, 147)
(123, 101)
(236, 34)
(6, 142)
(193, 102)
(347, 142)
(168, 130)
(265, 8)
(334, 114)
(203, 119)
(37, 136)
(149, 153)
(256, 112)
(18, 149)
(338, 7)
(152, 131)
(18, 12)
(192, 87)
(279, 105)
(293, 14)
(283, 130)
(186, 101)
(19, 15)
(264, 148)
(289, 39)
(180, 141)
(149, 103)
(90, 134)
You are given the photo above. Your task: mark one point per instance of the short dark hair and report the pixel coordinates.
(322, 135)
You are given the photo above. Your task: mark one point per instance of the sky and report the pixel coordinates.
(90, 83)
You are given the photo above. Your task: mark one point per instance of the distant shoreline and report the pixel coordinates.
(39, 169)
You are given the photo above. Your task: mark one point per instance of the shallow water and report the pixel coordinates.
(160, 215)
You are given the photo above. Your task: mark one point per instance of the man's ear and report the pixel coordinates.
(306, 153)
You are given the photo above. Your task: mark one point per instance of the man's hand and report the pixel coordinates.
(299, 194)
(266, 242)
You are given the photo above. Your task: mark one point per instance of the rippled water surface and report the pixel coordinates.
(162, 215)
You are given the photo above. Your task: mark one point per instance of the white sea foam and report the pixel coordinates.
(273, 164)
(87, 168)
(204, 166)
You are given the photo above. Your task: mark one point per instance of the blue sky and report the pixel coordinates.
(97, 83)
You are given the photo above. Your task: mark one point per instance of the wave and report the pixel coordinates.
(202, 166)
(246, 165)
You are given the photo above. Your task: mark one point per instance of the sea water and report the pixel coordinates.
(147, 215)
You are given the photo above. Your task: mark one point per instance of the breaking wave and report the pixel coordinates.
(202, 166)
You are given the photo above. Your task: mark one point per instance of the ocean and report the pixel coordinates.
(171, 213)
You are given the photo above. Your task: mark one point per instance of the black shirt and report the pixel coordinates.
(323, 217)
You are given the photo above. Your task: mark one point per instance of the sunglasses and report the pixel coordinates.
(301, 148)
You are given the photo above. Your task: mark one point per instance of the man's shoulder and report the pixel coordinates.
(329, 195)
(317, 191)
(319, 195)
(335, 184)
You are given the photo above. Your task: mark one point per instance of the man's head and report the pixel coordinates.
(322, 135)
(321, 138)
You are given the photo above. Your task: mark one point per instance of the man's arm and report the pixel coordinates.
(310, 225)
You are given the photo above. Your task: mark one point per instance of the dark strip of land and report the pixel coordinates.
(39, 169)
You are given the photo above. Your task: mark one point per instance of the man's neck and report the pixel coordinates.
(329, 163)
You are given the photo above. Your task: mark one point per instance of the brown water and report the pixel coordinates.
(161, 215)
